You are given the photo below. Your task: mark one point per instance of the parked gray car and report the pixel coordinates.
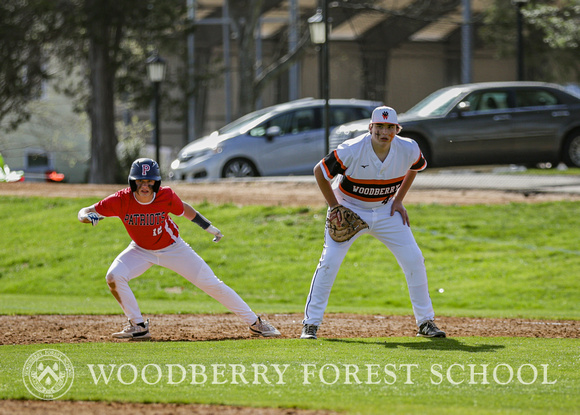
(490, 123)
(281, 140)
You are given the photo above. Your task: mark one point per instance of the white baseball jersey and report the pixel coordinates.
(366, 185)
(363, 179)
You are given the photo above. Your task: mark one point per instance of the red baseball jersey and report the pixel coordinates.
(149, 225)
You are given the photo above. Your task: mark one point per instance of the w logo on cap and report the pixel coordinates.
(145, 169)
(384, 115)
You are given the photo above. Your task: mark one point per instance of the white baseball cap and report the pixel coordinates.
(384, 115)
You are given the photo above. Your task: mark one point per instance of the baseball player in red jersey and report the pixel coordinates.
(373, 174)
(144, 209)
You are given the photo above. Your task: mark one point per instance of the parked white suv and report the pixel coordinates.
(285, 139)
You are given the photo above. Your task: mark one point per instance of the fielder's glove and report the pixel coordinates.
(94, 218)
(343, 223)
(215, 232)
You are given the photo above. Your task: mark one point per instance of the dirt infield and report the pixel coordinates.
(50, 329)
(118, 408)
(299, 193)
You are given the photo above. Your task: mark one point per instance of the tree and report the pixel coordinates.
(107, 41)
(245, 15)
(112, 39)
(558, 25)
(551, 37)
(25, 26)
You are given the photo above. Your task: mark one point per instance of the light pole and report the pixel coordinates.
(156, 67)
(319, 29)
(519, 4)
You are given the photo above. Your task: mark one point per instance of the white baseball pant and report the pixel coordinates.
(397, 237)
(178, 257)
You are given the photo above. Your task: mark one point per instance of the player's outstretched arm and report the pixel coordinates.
(197, 218)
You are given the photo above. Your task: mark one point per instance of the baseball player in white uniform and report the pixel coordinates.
(371, 174)
(144, 209)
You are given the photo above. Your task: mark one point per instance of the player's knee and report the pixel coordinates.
(117, 273)
(416, 274)
(112, 279)
(412, 257)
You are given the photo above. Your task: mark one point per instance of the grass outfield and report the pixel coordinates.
(514, 260)
(367, 376)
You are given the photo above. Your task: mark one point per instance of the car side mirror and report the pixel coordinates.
(463, 106)
(272, 132)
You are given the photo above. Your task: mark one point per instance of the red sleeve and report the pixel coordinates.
(176, 205)
(110, 206)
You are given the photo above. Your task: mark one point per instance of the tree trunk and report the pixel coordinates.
(103, 164)
(245, 15)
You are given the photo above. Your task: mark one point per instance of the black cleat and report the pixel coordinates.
(309, 331)
(429, 329)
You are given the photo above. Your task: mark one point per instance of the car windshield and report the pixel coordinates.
(243, 122)
(438, 103)
(573, 89)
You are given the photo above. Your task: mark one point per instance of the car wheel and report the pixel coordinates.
(239, 168)
(572, 150)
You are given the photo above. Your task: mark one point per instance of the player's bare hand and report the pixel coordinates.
(215, 232)
(398, 207)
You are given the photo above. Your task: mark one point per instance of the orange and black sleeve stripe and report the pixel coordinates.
(333, 165)
(420, 164)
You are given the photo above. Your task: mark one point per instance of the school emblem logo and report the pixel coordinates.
(48, 374)
(145, 169)
(385, 115)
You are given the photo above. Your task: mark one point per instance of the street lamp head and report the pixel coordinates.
(156, 68)
(317, 27)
